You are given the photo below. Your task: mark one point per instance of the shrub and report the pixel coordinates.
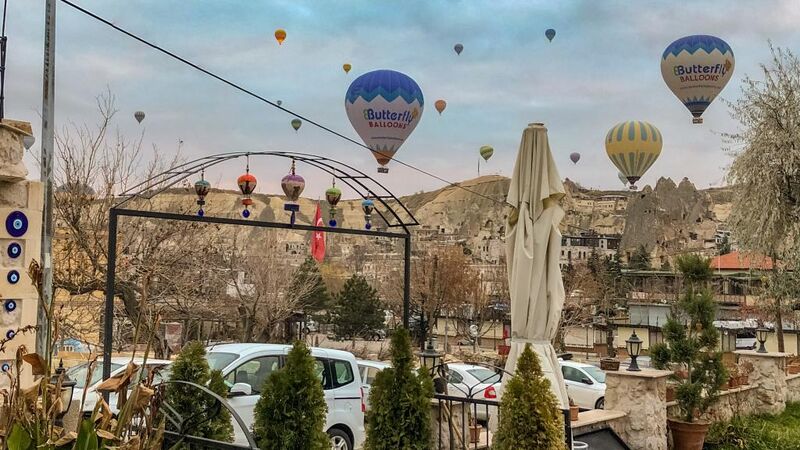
(400, 402)
(205, 418)
(290, 415)
(691, 346)
(529, 413)
(358, 309)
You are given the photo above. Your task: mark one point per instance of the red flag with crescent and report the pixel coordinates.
(318, 237)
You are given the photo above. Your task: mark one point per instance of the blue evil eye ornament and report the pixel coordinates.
(14, 250)
(16, 224)
(13, 277)
(5, 367)
(10, 305)
(10, 334)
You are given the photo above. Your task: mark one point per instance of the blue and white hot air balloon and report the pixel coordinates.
(696, 68)
(384, 107)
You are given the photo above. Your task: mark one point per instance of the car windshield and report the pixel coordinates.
(596, 373)
(79, 372)
(484, 375)
(220, 360)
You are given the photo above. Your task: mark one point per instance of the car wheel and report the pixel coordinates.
(600, 403)
(339, 440)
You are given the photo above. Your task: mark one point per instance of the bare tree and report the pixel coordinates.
(765, 173)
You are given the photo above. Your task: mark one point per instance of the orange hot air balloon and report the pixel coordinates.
(440, 105)
(346, 67)
(280, 35)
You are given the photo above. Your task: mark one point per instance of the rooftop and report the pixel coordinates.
(739, 261)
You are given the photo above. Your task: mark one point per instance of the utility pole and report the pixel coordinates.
(46, 177)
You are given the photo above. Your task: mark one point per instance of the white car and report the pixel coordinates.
(78, 374)
(368, 370)
(245, 367)
(477, 382)
(586, 384)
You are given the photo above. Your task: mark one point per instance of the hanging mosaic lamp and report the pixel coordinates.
(247, 184)
(292, 185)
(368, 206)
(332, 196)
(201, 188)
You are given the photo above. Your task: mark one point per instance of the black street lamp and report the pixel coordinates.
(761, 336)
(67, 389)
(634, 346)
(429, 358)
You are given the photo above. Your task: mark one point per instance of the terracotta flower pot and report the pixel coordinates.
(744, 380)
(670, 393)
(794, 369)
(733, 382)
(609, 364)
(688, 436)
(573, 413)
(474, 434)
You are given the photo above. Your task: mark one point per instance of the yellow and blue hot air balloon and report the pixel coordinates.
(633, 147)
(696, 69)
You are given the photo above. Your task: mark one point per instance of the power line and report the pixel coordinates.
(259, 97)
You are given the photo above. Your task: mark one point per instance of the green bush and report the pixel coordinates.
(691, 340)
(529, 413)
(198, 409)
(400, 402)
(290, 415)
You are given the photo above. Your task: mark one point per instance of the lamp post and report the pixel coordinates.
(761, 336)
(429, 357)
(634, 346)
(67, 389)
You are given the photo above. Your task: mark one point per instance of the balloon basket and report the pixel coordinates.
(633, 188)
(697, 120)
(383, 170)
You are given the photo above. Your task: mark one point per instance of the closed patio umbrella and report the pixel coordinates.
(533, 247)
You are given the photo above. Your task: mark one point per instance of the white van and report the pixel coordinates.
(245, 367)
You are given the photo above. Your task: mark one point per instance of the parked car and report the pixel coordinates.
(586, 384)
(368, 370)
(477, 382)
(79, 373)
(245, 367)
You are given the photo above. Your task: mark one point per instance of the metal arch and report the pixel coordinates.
(360, 182)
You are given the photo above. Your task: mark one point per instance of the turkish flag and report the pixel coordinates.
(318, 237)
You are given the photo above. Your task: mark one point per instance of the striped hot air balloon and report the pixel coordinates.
(633, 147)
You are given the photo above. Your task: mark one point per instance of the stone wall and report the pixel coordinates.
(642, 397)
(793, 388)
(739, 401)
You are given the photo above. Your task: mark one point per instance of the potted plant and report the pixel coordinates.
(733, 376)
(573, 411)
(745, 369)
(670, 392)
(690, 344)
(609, 363)
(474, 431)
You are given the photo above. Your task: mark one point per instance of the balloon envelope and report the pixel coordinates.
(633, 147)
(486, 152)
(280, 35)
(440, 105)
(550, 34)
(458, 48)
(384, 107)
(28, 141)
(296, 123)
(346, 67)
(139, 116)
(575, 157)
(696, 68)
(622, 178)
(279, 103)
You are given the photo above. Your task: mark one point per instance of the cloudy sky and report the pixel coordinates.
(602, 68)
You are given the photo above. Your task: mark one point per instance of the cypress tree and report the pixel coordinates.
(358, 309)
(400, 407)
(290, 415)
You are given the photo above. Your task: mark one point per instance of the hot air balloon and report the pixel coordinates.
(201, 188)
(633, 147)
(486, 152)
(622, 178)
(296, 123)
(279, 103)
(575, 157)
(280, 35)
(696, 68)
(247, 184)
(440, 105)
(346, 67)
(292, 185)
(368, 207)
(332, 195)
(384, 107)
(458, 48)
(28, 141)
(550, 34)
(139, 116)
